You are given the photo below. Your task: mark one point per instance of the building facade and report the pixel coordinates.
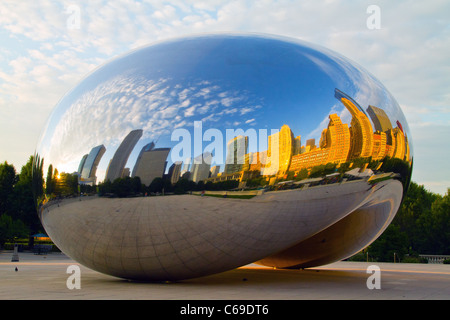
(120, 158)
(88, 173)
(151, 165)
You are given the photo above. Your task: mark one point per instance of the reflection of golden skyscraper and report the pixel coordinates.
(334, 147)
(337, 139)
(390, 147)
(257, 161)
(407, 151)
(236, 151)
(379, 118)
(379, 145)
(361, 131)
(280, 151)
(399, 149)
(316, 157)
(297, 145)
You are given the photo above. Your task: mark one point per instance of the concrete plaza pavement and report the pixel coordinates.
(44, 277)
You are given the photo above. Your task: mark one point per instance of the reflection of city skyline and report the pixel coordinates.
(339, 143)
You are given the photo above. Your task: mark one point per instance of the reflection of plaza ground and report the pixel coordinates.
(183, 236)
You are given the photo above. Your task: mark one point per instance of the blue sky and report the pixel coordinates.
(42, 56)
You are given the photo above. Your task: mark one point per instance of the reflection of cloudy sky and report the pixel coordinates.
(108, 112)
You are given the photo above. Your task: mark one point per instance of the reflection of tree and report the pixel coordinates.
(184, 185)
(57, 184)
(403, 168)
(157, 185)
(222, 185)
(121, 187)
(322, 170)
(66, 184)
(50, 184)
(34, 172)
(132, 187)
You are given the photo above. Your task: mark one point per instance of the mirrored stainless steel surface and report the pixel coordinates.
(201, 154)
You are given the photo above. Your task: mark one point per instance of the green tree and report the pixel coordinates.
(37, 178)
(10, 229)
(302, 174)
(440, 226)
(200, 186)
(8, 179)
(182, 186)
(136, 185)
(421, 226)
(50, 182)
(414, 217)
(156, 185)
(322, 170)
(392, 241)
(105, 188)
(343, 168)
(27, 186)
(120, 187)
(66, 184)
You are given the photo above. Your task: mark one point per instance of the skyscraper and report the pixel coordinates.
(379, 118)
(399, 150)
(215, 171)
(90, 165)
(118, 162)
(236, 150)
(310, 145)
(333, 147)
(297, 145)
(175, 172)
(200, 167)
(185, 173)
(146, 148)
(280, 151)
(361, 132)
(379, 145)
(338, 140)
(151, 164)
(81, 165)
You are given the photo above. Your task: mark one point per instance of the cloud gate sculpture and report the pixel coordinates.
(201, 154)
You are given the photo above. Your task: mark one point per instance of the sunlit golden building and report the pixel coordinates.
(236, 151)
(407, 152)
(333, 147)
(257, 161)
(379, 145)
(310, 159)
(280, 151)
(337, 140)
(361, 131)
(399, 149)
(339, 143)
(390, 148)
(379, 118)
(297, 145)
